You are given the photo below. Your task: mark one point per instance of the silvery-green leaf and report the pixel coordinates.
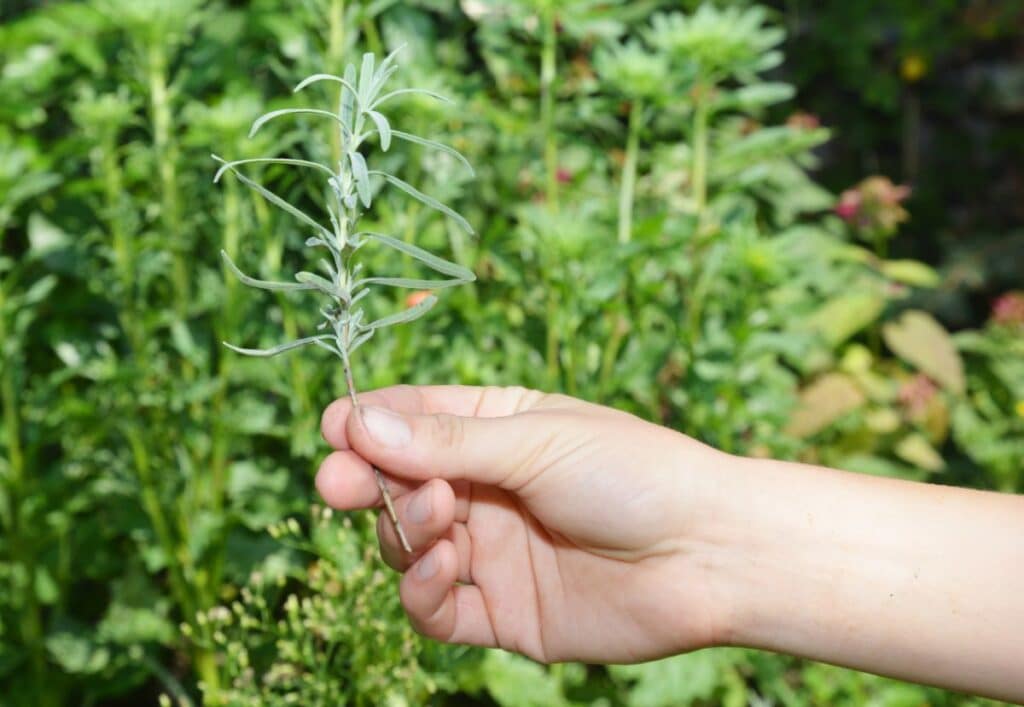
(262, 284)
(350, 201)
(348, 98)
(384, 71)
(263, 119)
(324, 345)
(360, 340)
(277, 349)
(314, 242)
(366, 75)
(315, 281)
(441, 265)
(362, 177)
(279, 202)
(404, 91)
(383, 129)
(426, 200)
(276, 160)
(406, 315)
(433, 144)
(407, 282)
(323, 77)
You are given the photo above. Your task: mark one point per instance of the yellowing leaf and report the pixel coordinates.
(923, 343)
(823, 402)
(915, 449)
(842, 317)
(910, 272)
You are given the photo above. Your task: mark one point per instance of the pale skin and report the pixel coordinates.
(565, 531)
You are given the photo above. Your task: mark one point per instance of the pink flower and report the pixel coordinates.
(1009, 309)
(416, 298)
(916, 393)
(563, 175)
(849, 205)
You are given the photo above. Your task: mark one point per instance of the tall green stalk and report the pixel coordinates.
(628, 186)
(699, 170)
(548, 68)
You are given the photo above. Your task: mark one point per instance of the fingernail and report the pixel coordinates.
(427, 566)
(420, 507)
(385, 427)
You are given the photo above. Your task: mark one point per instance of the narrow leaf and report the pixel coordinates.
(280, 203)
(404, 91)
(366, 75)
(441, 265)
(276, 160)
(426, 200)
(406, 315)
(264, 353)
(407, 282)
(433, 144)
(314, 281)
(262, 284)
(360, 340)
(263, 119)
(362, 176)
(383, 128)
(323, 77)
(348, 98)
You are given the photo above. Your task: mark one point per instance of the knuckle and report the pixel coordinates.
(450, 431)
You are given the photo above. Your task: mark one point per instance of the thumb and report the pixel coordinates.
(490, 450)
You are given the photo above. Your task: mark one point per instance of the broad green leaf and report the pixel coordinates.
(279, 202)
(680, 680)
(383, 128)
(262, 284)
(406, 315)
(823, 402)
(267, 117)
(426, 200)
(923, 343)
(43, 236)
(441, 265)
(433, 144)
(264, 353)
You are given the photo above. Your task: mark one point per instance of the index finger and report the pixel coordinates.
(459, 400)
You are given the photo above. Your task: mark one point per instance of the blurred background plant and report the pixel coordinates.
(817, 257)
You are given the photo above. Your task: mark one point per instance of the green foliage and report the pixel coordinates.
(141, 462)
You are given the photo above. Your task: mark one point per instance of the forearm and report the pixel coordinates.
(915, 581)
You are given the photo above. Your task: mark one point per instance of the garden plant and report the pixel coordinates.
(662, 223)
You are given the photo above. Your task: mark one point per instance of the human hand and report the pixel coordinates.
(539, 523)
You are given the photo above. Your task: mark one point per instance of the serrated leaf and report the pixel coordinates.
(823, 402)
(279, 202)
(262, 284)
(923, 343)
(383, 128)
(433, 262)
(265, 353)
(406, 315)
(362, 177)
(433, 144)
(426, 200)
